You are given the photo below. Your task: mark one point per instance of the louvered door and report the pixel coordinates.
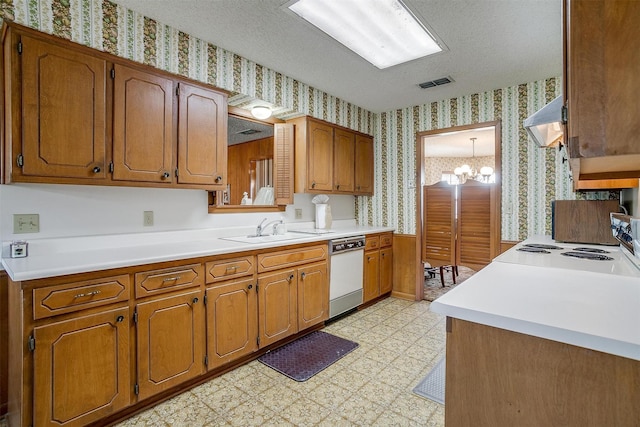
(475, 205)
(439, 231)
(283, 163)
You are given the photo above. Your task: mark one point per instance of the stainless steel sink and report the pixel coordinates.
(265, 239)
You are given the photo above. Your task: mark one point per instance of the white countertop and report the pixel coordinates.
(595, 310)
(56, 257)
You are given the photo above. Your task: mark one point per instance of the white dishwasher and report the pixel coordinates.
(346, 257)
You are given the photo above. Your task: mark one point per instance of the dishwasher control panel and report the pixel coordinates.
(346, 244)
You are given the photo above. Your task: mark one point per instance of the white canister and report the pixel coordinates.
(321, 215)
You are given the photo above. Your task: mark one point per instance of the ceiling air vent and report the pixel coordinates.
(436, 82)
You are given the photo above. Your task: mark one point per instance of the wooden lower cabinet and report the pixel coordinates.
(378, 266)
(277, 306)
(87, 347)
(232, 321)
(313, 295)
(497, 377)
(371, 275)
(170, 342)
(81, 370)
(386, 270)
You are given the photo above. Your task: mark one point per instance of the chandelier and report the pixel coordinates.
(465, 171)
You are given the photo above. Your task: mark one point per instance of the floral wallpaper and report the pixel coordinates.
(434, 167)
(532, 176)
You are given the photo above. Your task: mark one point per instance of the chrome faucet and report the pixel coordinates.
(261, 228)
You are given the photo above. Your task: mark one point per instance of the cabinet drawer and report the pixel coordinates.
(230, 269)
(281, 259)
(70, 297)
(168, 279)
(372, 242)
(386, 240)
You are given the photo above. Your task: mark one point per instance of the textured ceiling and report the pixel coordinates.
(490, 44)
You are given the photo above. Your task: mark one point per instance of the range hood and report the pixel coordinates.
(545, 125)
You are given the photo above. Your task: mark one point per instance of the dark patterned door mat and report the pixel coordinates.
(306, 356)
(432, 386)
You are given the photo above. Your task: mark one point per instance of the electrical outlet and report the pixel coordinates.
(148, 218)
(26, 223)
(298, 213)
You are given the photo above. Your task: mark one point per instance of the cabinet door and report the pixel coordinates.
(63, 112)
(202, 136)
(232, 321)
(364, 165)
(142, 126)
(603, 56)
(320, 157)
(371, 275)
(344, 152)
(170, 342)
(81, 369)
(386, 270)
(277, 301)
(313, 295)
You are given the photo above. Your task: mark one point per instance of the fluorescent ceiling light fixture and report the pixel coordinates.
(384, 32)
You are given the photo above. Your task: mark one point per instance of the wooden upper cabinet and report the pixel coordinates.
(331, 159)
(364, 165)
(344, 161)
(142, 126)
(63, 112)
(320, 157)
(75, 115)
(602, 58)
(202, 136)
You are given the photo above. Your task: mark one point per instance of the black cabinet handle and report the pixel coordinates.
(250, 286)
(303, 275)
(218, 178)
(165, 175)
(313, 184)
(290, 278)
(195, 300)
(96, 169)
(119, 319)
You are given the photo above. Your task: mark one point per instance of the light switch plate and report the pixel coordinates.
(26, 223)
(298, 213)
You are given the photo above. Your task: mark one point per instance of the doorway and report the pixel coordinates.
(458, 157)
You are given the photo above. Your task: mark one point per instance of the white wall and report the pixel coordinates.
(75, 210)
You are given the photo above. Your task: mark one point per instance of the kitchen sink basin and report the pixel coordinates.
(266, 239)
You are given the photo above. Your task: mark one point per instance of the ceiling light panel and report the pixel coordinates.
(384, 32)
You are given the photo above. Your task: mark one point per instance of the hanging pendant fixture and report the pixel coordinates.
(466, 172)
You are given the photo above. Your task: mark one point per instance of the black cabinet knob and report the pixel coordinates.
(119, 319)
(165, 175)
(96, 169)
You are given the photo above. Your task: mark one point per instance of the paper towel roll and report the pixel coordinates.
(321, 215)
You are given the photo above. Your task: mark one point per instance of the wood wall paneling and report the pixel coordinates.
(501, 378)
(404, 266)
(239, 158)
(4, 343)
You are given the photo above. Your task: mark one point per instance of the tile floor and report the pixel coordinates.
(400, 341)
